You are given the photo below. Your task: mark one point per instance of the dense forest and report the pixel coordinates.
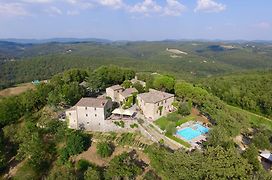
(203, 59)
(44, 146)
(250, 91)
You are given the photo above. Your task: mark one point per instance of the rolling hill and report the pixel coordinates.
(203, 59)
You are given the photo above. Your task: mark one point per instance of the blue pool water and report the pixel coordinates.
(190, 133)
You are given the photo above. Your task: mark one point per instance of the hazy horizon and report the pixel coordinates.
(119, 40)
(136, 20)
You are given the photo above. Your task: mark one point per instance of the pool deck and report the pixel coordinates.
(194, 142)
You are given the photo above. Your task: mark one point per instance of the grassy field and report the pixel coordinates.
(254, 119)
(20, 88)
(184, 143)
(164, 121)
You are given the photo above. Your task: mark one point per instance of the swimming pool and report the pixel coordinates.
(190, 133)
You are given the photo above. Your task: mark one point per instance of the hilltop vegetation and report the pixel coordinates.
(250, 91)
(204, 59)
(46, 148)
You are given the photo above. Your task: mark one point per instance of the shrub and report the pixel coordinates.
(161, 141)
(126, 84)
(123, 166)
(104, 149)
(82, 165)
(150, 175)
(261, 141)
(120, 123)
(139, 87)
(64, 155)
(173, 117)
(128, 103)
(171, 129)
(92, 173)
(77, 142)
(251, 154)
(134, 125)
(184, 109)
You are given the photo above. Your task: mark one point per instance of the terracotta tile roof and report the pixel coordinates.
(92, 102)
(133, 81)
(155, 96)
(128, 92)
(116, 87)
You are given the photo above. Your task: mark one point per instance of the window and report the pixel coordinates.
(70, 114)
(95, 115)
(86, 115)
(87, 122)
(95, 108)
(165, 101)
(158, 104)
(85, 108)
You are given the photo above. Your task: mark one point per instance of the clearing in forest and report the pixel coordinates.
(16, 90)
(176, 51)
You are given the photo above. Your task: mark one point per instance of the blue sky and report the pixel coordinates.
(137, 19)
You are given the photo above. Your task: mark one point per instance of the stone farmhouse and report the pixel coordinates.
(155, 104)
(135, 80)
(118, 94)
(89, 114)
(93, 114)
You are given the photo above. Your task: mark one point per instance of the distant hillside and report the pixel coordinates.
(250, 91)
(58, 40)
(202, 59)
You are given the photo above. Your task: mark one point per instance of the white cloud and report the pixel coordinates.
(82, 4)
(174, 8)
(74, 7)
(52, 11)
(209, 6)
(111, 3)
(37, 1)
(146, 7)
(12, 9)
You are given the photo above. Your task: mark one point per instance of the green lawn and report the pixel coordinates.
(185, 119)
(164, 121)
(254, 119)
(180, 141)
